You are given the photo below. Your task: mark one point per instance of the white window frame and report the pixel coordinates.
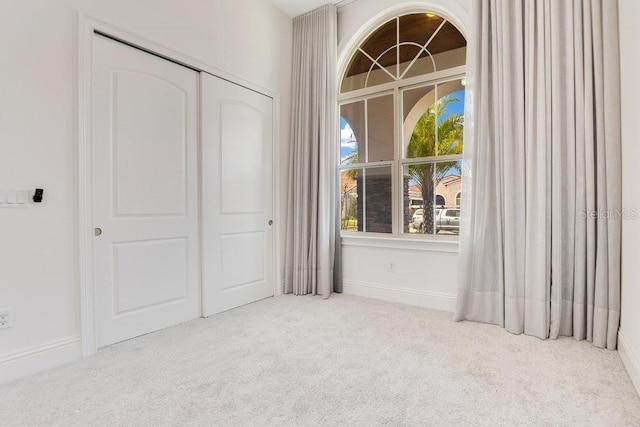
(399, 162)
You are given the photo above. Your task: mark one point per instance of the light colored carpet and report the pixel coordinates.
(344, 361)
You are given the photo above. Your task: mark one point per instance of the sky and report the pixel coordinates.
(456, 107)
(348, 143)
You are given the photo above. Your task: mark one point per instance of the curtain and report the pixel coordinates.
(312, 210)
(541, 205)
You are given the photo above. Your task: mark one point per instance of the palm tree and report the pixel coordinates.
(434, 138)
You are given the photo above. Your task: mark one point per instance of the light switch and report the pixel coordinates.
(21, 198)
(11, 197)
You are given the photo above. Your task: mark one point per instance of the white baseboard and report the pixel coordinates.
(629, 358)
(40, 358)
(421, 298)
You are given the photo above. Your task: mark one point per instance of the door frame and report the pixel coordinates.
(87, 27)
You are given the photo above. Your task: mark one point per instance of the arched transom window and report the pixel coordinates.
(402, 118)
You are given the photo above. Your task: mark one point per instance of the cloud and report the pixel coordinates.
(347, 138)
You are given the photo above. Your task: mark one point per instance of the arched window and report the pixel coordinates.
(402, 109)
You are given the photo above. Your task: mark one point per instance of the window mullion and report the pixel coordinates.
(431, 159)
(366, 131)
(364, 200)
(352, 166)
(398, 48)
(430, 78)
(437, 116)
(397, 219)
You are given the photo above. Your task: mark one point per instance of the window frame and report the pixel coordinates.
(399, 162)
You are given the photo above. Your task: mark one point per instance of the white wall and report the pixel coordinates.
(419, 273)
(629, 336)
(38, 89)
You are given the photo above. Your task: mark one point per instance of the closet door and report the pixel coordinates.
(145, 187)
(237, 190)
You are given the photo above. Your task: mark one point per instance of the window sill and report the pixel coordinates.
(429, 244)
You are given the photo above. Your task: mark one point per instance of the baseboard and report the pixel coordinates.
(629, 358)
(421, 298)
(40, 358)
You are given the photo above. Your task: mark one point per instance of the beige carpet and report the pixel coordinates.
(345, 361)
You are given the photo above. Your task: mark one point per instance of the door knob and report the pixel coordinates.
(270, 222)
(97, 231)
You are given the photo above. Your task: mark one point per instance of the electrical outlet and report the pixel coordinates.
(5, 318)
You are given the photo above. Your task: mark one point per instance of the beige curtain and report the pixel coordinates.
(312, 223)
(540, 240)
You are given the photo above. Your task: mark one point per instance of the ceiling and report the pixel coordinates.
(295, 8)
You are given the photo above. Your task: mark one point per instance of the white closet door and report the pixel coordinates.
(237, 195)
(145, 187)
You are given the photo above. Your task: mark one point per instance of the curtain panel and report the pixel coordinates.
(312, 209)
(541, 205)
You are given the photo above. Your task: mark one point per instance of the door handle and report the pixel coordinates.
(97, 231)
(270, 222)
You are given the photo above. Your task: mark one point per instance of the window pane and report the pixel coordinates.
(408, 52)
(419, 37)
(418, 187)
(433, 120)
(418, 27)
(415, 102)
(352, 132)
(383, 38)
(450, 114)
(447, 49)
(366, 203)
(419, 130)
(389, 61)
(448, 222)
(448, 183)
(360, 73)
(378, 201)
(378, 76)
(356, 73)
(415, 30)
(375, 46)
(349, 192)
(431, 191)
(380, 123)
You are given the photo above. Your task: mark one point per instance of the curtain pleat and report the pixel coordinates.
(541, 205)
(312, 194)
